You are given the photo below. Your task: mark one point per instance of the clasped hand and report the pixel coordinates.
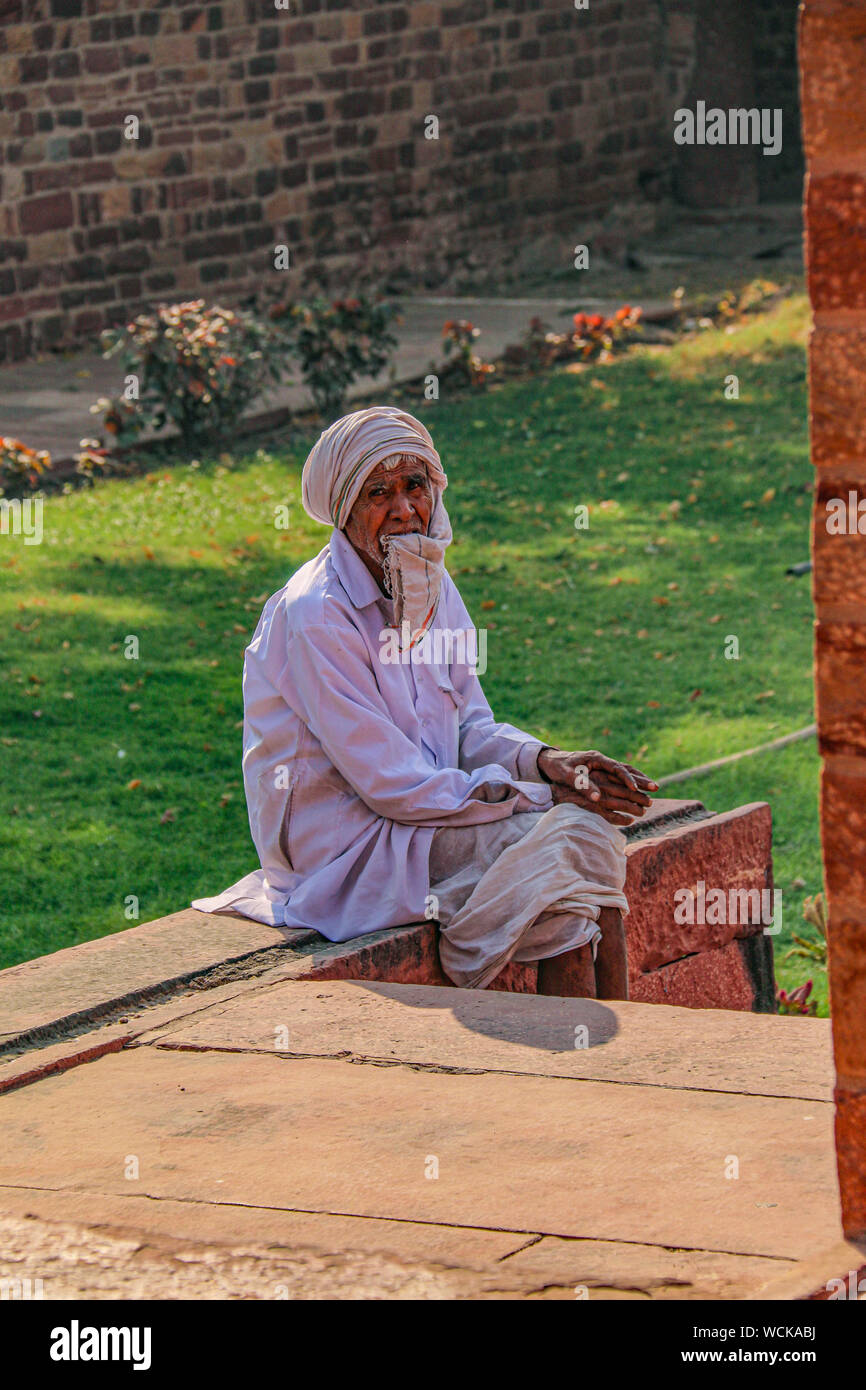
(615, 791)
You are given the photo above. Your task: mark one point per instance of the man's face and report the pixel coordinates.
(394, 501)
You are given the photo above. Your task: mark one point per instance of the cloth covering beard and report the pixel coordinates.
(334, 473)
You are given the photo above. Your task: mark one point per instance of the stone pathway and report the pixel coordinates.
(260, 1133)
(46, 403)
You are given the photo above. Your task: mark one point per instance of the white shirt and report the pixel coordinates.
(350, 761)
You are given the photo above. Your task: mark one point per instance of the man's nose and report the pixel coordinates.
(401, 507)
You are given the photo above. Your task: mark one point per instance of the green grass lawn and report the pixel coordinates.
(121, 778)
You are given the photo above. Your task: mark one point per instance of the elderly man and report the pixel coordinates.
(380, 788)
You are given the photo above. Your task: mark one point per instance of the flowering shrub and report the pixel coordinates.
(458, 335)
(592, 336)
(121, 419)
(335, 343)
(598, 337)
(20, 467)
(93, 461)
(196, 367)
(797, 1002)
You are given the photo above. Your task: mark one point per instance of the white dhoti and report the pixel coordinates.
(525, 888)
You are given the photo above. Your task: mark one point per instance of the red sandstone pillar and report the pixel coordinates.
(833, 92)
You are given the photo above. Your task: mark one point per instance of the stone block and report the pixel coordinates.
(65, 989)
(843, 828)
(404, 955)
(839, 555)
(851, 1160)
(836, 239)
(731, 852)
(726, 978)
(554, 1156)
(848, 994)
(46, 213)
(840, 657)
(838, 415)
(833, 43)
(453, 1029)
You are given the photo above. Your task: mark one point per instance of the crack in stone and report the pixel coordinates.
(249, 967)
(400, 1220)
(456, 1070)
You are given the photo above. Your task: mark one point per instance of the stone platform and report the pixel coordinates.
(205, 1107)
(674, 846)
(284, 1137)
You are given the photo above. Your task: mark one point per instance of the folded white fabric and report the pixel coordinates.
(540, 896)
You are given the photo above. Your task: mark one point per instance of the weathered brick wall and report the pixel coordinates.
(833, 53)
(262, 126)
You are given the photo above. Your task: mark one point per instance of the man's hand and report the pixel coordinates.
(615, 791)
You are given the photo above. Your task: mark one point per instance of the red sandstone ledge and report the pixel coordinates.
(676, 845)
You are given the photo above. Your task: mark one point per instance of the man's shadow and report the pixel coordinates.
(559, 1024)
(566, 1024)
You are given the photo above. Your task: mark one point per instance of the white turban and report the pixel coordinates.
(334, 474)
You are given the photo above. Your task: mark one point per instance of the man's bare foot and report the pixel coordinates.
(611, 961)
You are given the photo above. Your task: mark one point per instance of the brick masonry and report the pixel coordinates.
(832, 52)
(305, 126)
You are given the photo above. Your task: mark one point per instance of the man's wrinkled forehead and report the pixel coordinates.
(396, 465)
